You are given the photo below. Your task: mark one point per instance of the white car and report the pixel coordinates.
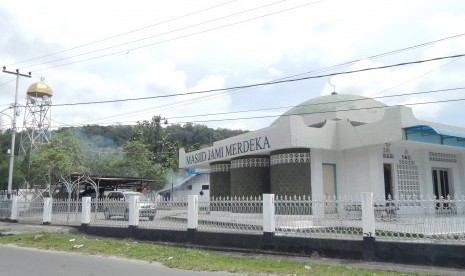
(117, 205)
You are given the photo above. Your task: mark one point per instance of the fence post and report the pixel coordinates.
(192, 216)
(85, 211)
(14, 216)
(368, 226)
(368, 215)
(318, 206)
(47, 216)
(133, 211)
(269, 220)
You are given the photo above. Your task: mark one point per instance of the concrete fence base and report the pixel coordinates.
(367, 249)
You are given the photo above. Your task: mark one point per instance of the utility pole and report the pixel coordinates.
(13, 129)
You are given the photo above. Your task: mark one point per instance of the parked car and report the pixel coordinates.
(117, 204)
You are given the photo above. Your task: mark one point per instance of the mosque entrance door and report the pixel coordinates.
(329, 187)
(388, 188)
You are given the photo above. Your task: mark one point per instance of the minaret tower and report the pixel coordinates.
(37, 117)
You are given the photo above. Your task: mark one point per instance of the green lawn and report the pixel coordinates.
(183, 258)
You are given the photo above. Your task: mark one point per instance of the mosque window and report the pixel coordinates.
(442, 157)
(408, 184)
(319, 125)
(355, 123)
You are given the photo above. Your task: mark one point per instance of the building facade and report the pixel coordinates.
(338, 145)
(195, 184)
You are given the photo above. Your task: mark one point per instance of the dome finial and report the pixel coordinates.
(334, 88)
(40, 89)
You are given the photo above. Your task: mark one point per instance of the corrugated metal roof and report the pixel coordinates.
(440, 131)
(178, 184)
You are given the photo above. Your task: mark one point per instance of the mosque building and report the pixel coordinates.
(337, 145)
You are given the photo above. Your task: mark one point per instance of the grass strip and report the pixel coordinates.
(183, 258)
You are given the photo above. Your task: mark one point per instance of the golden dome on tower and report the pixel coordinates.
(40, 89)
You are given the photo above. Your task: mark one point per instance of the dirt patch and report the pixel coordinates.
(7, 228)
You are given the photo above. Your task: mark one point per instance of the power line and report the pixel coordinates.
(379, 55)
(125, 33)
(417, 77)
(220, 94)
(319, 104)
(375, 56)
(4, 83)
(350, 62)
(172, 39)
(314, 104)
(340, 65)
(263, 83)
(321, 112)
(160, 34)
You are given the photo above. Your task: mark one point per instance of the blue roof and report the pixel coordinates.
(440, 131)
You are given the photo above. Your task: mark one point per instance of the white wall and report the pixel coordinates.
(196, 182)
(419, 153)
(361, 169)
(356, 171)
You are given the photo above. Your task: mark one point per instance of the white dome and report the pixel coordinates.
(337, 107)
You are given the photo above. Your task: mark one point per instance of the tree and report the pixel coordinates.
(100, 161)
(5, 144)
(51, 161)
(163, 150)
(193, 137)
(137, 163)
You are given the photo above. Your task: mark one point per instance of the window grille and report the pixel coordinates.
(408, 184)
(442, 157)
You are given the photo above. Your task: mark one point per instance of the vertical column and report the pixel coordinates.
(14, 216)
(250, 175)
(290, 173)
(368, 215)
(85, 211)
(47, 215)
(192, 212)
(368, 226)
(316, 175)
(269, 221)
(424, 173)
(133, 211)
(220, 179)
(426, 179)
(192, 216)
(461, 174)
(376, 171)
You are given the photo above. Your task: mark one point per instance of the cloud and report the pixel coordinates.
(403, 80)
(186, 57)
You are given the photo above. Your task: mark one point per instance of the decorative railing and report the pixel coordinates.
(425, 220)
(421, 219)
(5, 208)
(231, 214)
(328, 217)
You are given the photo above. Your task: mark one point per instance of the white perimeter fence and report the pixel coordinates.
(426, 220)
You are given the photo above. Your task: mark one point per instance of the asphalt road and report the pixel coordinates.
(34, 262)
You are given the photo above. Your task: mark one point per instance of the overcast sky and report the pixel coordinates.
(186, 46)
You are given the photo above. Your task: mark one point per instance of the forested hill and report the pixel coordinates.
(189, 136)
(147, 150)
